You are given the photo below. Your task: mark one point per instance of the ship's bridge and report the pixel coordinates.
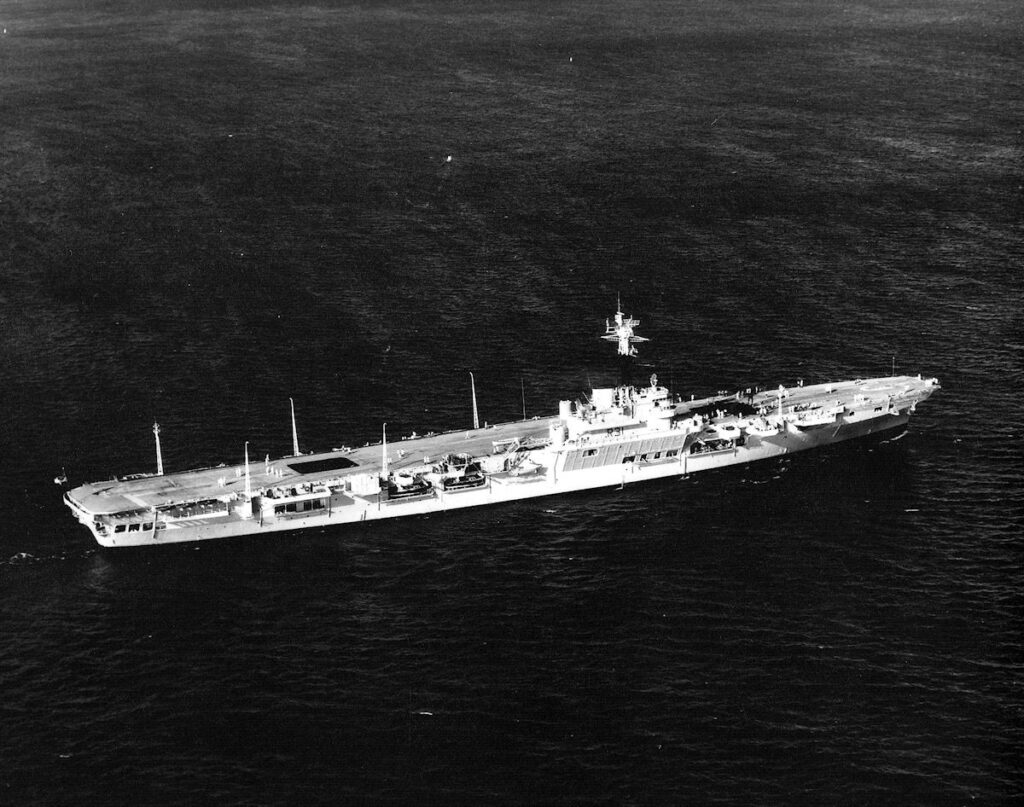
(620, 408)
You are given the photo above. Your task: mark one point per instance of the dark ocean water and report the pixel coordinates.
(209, 207)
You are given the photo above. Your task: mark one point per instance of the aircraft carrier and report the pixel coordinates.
(614, 437)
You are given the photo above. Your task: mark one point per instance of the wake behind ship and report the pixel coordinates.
(616, 436)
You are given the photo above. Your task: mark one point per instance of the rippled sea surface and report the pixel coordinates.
(208, 207)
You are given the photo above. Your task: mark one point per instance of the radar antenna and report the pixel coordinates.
(623, 332)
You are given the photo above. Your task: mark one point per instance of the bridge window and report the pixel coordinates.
(590, 452)
(672, 452)
(630, 458)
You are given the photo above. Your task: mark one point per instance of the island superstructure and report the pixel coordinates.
(614, 437)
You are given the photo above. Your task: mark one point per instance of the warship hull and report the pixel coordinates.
(623, 437)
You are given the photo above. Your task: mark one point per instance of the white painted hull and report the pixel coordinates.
(348, 508)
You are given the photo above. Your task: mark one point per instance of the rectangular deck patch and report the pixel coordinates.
(319, 466)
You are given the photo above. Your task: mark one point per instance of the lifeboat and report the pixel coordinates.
(459, 472)
(728, 431)
(526, 471)
(404, 486)
(759, 427)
